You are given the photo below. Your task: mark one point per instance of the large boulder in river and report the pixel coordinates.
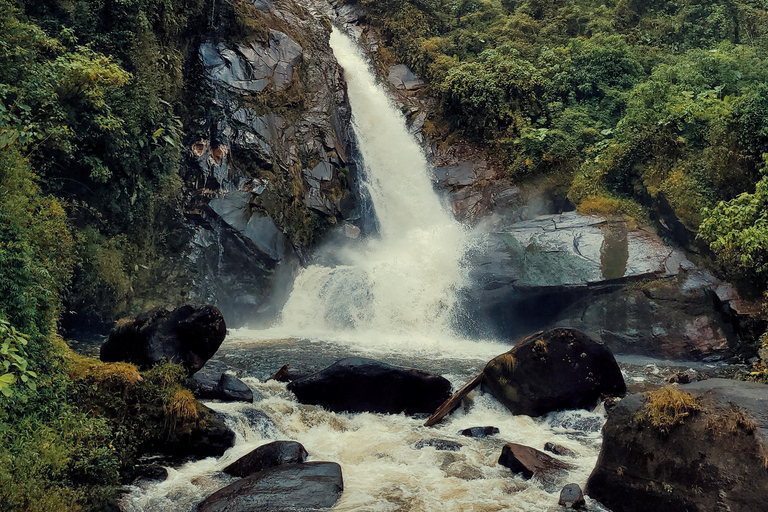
(290, 487)
(693, 448)
(555, 370)
(188, 335)
(356, 384)
(266, 456)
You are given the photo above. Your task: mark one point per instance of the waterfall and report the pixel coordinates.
(402, 282)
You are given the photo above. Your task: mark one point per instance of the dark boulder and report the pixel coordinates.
(711, 458)
(356, 384)
(439, 444)
(208, 436)
(149, 472)
(226, 388)
(572, 497)
(530, 462)
(188, 335)
(556, 370)
(479, 432)
(289, 487)
(267, 456)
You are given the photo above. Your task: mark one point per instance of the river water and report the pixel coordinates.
(391, 297)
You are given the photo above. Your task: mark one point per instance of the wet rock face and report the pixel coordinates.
(271, 166)
(693, 467)
(625, 286)
(357, 384)
(188, 335)
(559, 369)
(253, 67)
(289, 487)
(267, 456)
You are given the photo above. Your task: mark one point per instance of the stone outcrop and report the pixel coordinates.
(188, 335)
(556, 370)
(712, 459)
(270, 166)
(267, 456)
(285, 488)
(403, 78)
(356, 384)
(622, 285)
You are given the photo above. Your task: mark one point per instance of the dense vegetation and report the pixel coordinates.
(629, 104)
(633, 105)
(91, 102)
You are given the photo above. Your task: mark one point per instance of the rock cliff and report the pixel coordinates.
(270, 159)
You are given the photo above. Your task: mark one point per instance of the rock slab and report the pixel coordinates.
(555, 370)
(530, 462)
(357, 384)
(714, 460)
(290, 487)
(188, 335)
(266, 456)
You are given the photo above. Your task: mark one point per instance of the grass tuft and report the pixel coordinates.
(667, 407)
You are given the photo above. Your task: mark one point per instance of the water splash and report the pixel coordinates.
(403, 281)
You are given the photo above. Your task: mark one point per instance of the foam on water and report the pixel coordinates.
(382, 470)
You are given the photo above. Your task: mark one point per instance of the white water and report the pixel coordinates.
(382, 470)
(392, 296)
(399, 287)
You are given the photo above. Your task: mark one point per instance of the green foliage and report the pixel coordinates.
(36, 248)
(14, 360)
(640, 103)
(737, 231)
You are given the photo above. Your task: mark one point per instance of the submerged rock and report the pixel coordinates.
(439, 444)
(267, 456)
(357, 384)
(710, 458)
(285, 488)
(479, 432)
(188, 335)
(556, 370)
(530, 462)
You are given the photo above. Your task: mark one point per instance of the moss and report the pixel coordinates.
(666, 408)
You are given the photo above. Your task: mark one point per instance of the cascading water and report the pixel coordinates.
(391, 295)
(402, 282)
